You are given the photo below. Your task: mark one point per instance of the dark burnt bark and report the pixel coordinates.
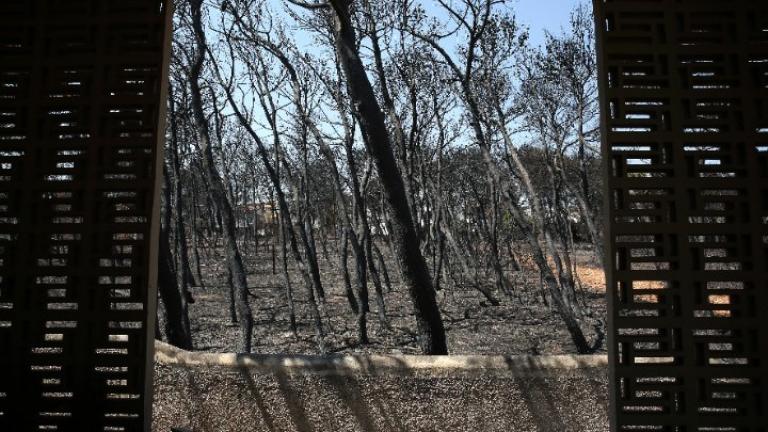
(177, 331)
(382, 267)
(288, 228)
(287, 278)
(216, 184)
(177, 328)
(377, 141)
(343, 256)
(195, 233)
(185, 275)
(232, 298)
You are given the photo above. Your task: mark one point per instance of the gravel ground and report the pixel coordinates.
(217, 398)
(506, 398)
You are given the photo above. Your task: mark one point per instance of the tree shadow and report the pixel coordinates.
(257, 398)
(292, 402)
(543, 408)
(361, 388)
(341, 375)
(543, 397)
(348, 391)
(347, 388)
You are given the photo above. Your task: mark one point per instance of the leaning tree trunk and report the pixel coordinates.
(287, 277)
(461, 256)
(382, 266)
(195, 232)
(378, 144)
(216, 184)
(186, 278)
(343, 256)
(375, 278)
(177, 329)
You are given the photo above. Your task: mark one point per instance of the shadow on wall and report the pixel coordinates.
(272, 393)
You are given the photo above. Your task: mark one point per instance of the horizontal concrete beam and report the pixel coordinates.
(375, 364)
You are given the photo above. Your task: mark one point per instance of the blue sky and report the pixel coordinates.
(539, 15)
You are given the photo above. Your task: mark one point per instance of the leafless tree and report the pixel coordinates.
(434, 149)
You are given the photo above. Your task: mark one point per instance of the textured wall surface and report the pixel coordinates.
(684, 94)
(81, 98)
(227, 393)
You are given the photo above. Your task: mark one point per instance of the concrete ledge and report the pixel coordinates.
(381, 364)
(209, 392)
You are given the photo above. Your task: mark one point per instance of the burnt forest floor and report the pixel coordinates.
(472, 325)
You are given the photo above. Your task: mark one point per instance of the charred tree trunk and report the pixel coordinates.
(382, 266)
(232, 298)
(377, 141)
(177, 329)
(287, 278)
(195, 231)
(217, 186)
(343, 256)
(186, 278)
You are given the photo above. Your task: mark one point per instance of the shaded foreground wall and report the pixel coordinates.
(82, 100)
(684, 102)
(225, 392)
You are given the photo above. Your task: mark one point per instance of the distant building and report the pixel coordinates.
(261, 216)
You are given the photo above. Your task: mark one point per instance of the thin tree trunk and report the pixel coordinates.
(462, 257)
(195, 230)
(232, 299)
(382, 266)
(217, 187)
(373, 272)
(274, 176)
(185, 274)
(343, 256)
(177, 329)
(287, 279)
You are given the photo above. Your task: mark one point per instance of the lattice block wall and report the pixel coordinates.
(684, 90)
(80, 100)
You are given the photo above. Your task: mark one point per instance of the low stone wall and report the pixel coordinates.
(232, 393)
